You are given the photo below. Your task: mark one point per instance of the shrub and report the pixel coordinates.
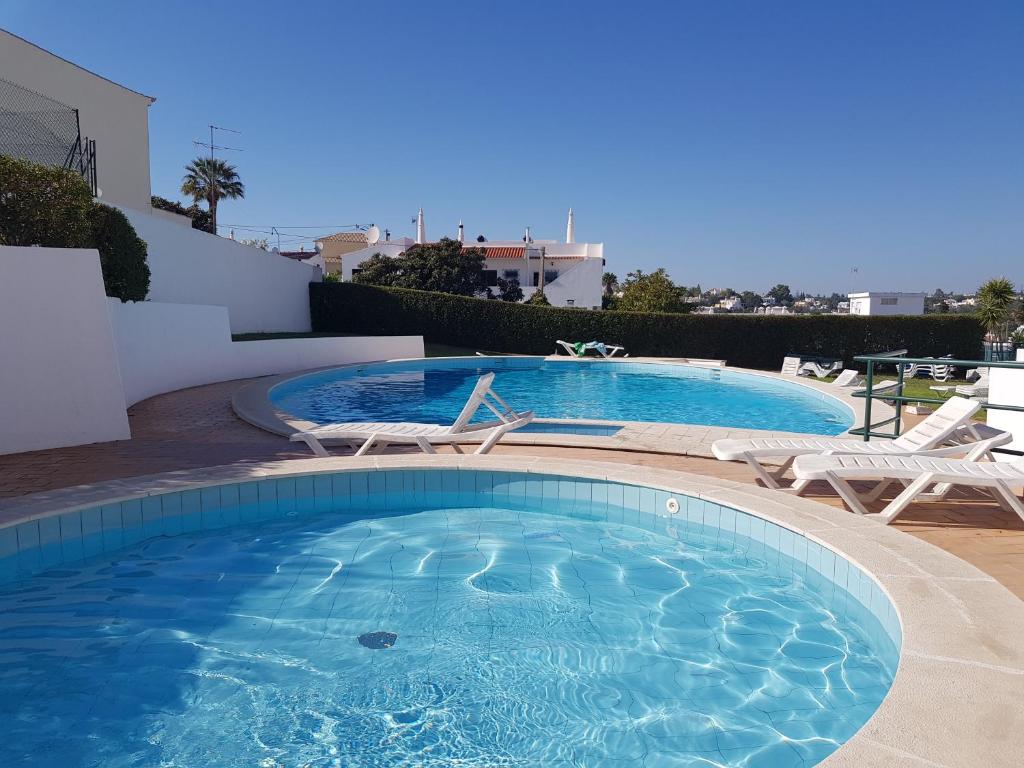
(201, 219)
(43, 205)
(752, 341)
(122, 254)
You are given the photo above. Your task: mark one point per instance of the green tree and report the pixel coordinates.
(212, 180)
(751, 300)
(200, 218)
(996, 306)
(781, 294)
(654, 292)
(256, 242)
(509, 290)
(610, 283)
(539, 299)
(445, 267)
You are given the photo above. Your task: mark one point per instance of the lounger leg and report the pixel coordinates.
(456, 448)
(315, 445)
(365, 447)
(762, 473)
(847, 494)
(1010, 498)
(491, 441)
(901, 502)
(876, 492)
(425, 445)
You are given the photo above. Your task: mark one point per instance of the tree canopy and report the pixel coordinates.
(212, 180)
(445, 267)
(781, 294)
(654, 292)
(997, 306)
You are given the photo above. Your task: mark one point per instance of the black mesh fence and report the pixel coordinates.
(34, 127)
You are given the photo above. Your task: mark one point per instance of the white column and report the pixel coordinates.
(462, 232)
(570, 229)
(421, 229)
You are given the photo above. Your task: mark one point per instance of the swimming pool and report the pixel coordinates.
(434, 391)
(432, 617)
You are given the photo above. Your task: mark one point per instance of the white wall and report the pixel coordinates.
(1006, 387)
(59, 380)
(579, 281)
(163, 347)
(871, 304)
(262, 291)
(117, 118)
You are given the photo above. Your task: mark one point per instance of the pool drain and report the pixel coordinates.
(672, 506)
(377, 640)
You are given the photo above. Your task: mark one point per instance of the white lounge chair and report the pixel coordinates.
(820, 371)
(580, 349)
(917, 473)
(951, 422)
(878, 386)
(847, 378)
(367, 435)
(790, 366)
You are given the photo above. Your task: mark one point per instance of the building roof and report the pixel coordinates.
(297, 255)
(78, 66)
(344, 237)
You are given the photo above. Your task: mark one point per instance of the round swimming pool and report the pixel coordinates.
(433, 617)
(434, 391)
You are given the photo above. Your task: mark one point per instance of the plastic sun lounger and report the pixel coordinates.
(951, 422)
(790, 366)
(580, 349)
(917, 473)
(367, 435)
(819, 370)
(847, 378)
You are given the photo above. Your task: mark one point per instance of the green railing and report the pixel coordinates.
(897, 358)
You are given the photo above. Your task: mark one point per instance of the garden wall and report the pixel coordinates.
(263, 291)
(751, 341)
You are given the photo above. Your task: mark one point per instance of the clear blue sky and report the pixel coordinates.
(736, 143)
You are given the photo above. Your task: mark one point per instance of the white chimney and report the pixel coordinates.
(421, 229)
(462, 232)
(570, 229)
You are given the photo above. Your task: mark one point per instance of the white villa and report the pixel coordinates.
(886, 303)
(569, 273)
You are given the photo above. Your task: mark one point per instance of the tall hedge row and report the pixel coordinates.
(751, 341)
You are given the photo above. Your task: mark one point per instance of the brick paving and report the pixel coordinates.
(196, 427)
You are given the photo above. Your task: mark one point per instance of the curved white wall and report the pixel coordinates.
(164, 347)
(262, 291)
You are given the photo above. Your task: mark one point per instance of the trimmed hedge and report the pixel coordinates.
(122, 254)
(750, 341)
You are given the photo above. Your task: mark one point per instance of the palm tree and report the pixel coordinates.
(995, 306)
(212, 180)
(610, 282)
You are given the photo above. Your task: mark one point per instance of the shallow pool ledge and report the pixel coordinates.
(956, 697)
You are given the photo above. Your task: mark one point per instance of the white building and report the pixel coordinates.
(886, 303)
(570, 272)
(50, 102)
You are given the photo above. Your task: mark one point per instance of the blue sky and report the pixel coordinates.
(737, 144)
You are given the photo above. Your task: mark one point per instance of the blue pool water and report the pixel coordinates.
(434, 391)
(549, 633)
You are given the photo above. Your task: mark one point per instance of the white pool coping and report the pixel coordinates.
(252, 404)
(958, 695)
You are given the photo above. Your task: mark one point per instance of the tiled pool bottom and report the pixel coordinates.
(539, 620)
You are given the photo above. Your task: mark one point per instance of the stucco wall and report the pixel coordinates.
(117, 118)
(163, 347)
(262, 291)
(1006, 387)
(60, 383)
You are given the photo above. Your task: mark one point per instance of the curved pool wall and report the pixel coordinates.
(433, 390)
(52, 541)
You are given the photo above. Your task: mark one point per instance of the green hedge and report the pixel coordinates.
(751, 341)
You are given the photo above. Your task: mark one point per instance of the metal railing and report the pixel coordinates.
(897, 358)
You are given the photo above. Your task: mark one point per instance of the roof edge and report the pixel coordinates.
(78, 66)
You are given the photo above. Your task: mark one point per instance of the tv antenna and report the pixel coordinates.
(212, 146)
(373, 235)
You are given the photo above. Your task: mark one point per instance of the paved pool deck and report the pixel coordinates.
(197, 427)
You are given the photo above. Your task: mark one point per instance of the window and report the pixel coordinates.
(356, 271)
(536, 279)
(892, 302)
(511, 274)
(550, 275)
(490, 277)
